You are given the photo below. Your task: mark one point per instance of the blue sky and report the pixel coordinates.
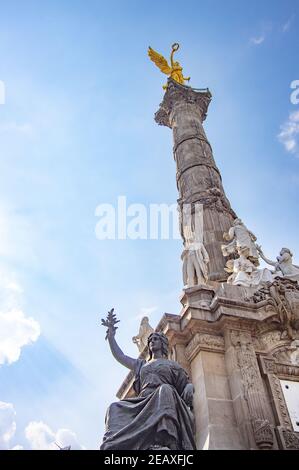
(77, 130)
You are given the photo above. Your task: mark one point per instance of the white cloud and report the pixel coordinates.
(258, 40)
(286, 26)
(264, 30)
(41, 437)
(289, 134)
(65, 437)
(7, 424)
(16, 331)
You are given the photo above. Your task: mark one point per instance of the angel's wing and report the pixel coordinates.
(160, 61)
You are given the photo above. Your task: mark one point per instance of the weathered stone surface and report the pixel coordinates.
(198, 179)
(213, 404)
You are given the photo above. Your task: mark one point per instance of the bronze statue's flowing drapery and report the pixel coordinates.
(157, 416)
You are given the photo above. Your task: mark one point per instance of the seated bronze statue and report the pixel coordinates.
(160, 415)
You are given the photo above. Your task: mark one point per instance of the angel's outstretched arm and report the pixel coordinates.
(186, 78)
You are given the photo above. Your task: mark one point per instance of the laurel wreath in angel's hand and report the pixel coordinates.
(110, 323)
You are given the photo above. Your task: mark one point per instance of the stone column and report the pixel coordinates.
(198, 179)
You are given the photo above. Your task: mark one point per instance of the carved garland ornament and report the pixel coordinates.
(283, 296)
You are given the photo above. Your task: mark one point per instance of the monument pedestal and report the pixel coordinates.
(237, 354)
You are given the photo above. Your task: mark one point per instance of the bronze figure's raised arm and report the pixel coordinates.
(159, 416)
(110, 323)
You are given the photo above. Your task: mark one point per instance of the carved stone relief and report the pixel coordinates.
(271, 370)
(283, 296)
(291, 439)
(204, 341)
(253, 388)
(288, 353)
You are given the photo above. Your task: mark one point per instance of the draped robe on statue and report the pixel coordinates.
(157, 416)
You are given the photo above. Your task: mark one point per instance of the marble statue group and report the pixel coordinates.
(243, 268)
(243, 262)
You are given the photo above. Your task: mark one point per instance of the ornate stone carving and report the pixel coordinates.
(284, 266)
(269, 366)
(215, 199)
(287, 370)
(294, 353)
(291, 439)
(252, 388)
(263, 434)
(245, 358)
(195, 191)
(242, 238)
(257, 344)
(205, 341)
(277, 394)
(288, 353)
(261, 295)
(211, 341)
(244, 272)
(176, 94)
(283, 295)
(270, 339)
(281, 401)
(243, 269)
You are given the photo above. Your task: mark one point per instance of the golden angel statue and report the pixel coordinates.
(175, 70)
